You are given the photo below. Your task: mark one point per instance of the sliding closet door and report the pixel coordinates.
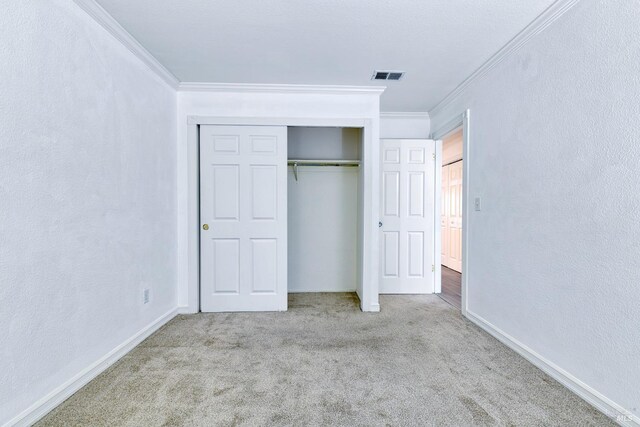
(408, 217)
(243, 215)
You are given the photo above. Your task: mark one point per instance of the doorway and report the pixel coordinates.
(254, 157)
(451, 217)
(323, 185)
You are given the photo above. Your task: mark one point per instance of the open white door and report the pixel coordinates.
(407, 216)
(243, 215)
(444, 216)
(452, 201)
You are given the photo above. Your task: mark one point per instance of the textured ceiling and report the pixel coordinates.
(334, 42)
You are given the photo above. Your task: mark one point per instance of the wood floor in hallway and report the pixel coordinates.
(451, 287)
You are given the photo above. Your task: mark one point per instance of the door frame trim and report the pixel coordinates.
(462, 119)
(368, 225)
(437, 216)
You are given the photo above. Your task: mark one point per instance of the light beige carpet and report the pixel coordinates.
(417, 363)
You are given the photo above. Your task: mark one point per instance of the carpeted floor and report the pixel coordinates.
(417, 363)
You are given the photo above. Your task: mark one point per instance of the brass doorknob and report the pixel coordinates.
(205, 227)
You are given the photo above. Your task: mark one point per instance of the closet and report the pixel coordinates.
(280, 211)
(322, 208)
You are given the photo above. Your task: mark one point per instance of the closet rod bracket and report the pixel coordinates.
(308, 162)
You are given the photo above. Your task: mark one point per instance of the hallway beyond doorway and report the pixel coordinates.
(451, 287)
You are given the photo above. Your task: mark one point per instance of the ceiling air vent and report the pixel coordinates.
(387, 75)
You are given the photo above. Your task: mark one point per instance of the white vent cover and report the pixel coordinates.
(387, 75)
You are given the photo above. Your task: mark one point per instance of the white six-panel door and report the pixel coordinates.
(451, 219)
(444, 217)
(243, 215)
(407, 216)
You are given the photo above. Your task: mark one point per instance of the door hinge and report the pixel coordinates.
(433, 268)
(434, 155)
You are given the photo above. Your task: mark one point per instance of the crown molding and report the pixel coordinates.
(102, 17)
(403, 115)
(278, 88)
(546, 18)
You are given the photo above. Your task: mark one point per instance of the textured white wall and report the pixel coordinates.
(555, 155)
(88, 197)
(397, 125)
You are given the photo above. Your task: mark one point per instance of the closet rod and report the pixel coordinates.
(307, 162)
(323, 162)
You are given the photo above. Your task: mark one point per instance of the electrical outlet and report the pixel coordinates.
(478, 204)
(145, 296)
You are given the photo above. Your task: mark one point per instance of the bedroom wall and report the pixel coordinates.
(404, 125)
(88, 190)
(555, 156)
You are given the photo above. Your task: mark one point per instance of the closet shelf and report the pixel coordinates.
(320, 162)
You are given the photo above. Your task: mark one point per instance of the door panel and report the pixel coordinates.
(416, 194)
(390, 253)
(416, 254)
(391, 202)
(226, 265)
(243, 190)
(407, 215)
(264, 262)
(264, 192)
(226, 191)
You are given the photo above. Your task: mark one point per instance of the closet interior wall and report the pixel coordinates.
(323, 210)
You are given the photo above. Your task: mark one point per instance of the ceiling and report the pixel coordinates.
(438, 43)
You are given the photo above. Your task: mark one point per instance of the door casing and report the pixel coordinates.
(462, 119)
(368, 246)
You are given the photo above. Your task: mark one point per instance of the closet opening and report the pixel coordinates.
(324, 209)
(245, 253)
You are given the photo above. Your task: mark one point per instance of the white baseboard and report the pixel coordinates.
(185, 309)
(64, 391)
(373, 308)
(321, 291)
(605, 405)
